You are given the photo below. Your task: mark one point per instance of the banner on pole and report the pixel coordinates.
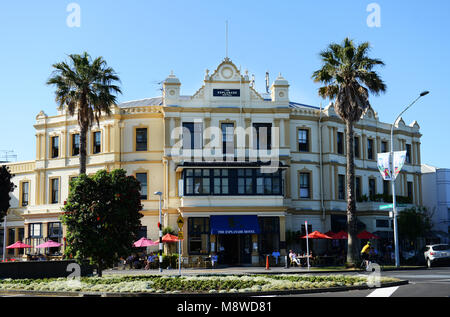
(399, 161)
(384, 166)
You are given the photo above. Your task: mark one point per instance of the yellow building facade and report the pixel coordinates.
(244, 169)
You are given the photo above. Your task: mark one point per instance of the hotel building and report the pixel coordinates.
(200, 152)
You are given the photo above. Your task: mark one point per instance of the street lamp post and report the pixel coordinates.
(391, 160)
(160, 233)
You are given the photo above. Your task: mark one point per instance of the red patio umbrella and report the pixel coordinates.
(19, 245)
(330, 234)
(341, 235)
(169, 238)
(365, 235)
(49, 244)
(317, 235)
(144, 242)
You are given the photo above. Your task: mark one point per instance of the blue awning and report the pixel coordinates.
(234, 224)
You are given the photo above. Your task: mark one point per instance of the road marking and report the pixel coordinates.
(383, 292)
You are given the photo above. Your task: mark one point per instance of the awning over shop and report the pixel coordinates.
(234, 224)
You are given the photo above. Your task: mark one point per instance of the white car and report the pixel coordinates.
(437, 253)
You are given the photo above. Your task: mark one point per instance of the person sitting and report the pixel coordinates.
(290, 255)
(295, 259)
(129, 261)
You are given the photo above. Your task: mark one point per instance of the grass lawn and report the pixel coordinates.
(188, 284)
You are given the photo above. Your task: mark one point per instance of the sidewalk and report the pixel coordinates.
(237, 270)
(220, 271)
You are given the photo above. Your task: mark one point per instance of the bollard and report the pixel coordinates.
(267, 262)
(286, 262)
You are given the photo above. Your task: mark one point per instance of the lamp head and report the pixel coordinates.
(158, 193)
(424, 93)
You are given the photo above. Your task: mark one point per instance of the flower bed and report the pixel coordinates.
(187, 284)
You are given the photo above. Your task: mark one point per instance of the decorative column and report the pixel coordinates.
(248, 122)
(287, 134)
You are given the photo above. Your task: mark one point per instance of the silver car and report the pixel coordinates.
(437, 253)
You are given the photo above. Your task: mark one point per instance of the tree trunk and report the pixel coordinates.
(99, 268)
(352, 251)
(83, 145)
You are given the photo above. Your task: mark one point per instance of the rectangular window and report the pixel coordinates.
(410, 190)
(197, 182)
(303, 140)
(358, 187)
(198, 235)
(192, 135)
(268, 183)
(54, 190)
(372, 189)
(141, 139)
(142, 178)
(408, 154)
(97, 142)
(227, 138)
(25, 193)
(142, 233)
(232, 181)
(263, 136)
(55, 234)
(75, 144)
(35, 230)
(370, 149)
(341, 187)
(384, 147)
(269, 238)
(55, 231)
(20, 238)
(356, 146)
(386, 185)
(245, 181)
(55, 146)
(221, 181)
(305, 190)
(11, 239)
(340, 143)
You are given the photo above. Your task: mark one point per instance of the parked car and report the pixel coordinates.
(437, 253)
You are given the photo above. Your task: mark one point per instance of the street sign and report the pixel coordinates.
(180, 235)
(180, 222)
(390, 206)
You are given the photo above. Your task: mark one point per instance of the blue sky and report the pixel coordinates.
(144, 40)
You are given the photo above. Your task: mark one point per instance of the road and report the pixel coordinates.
(433, 282)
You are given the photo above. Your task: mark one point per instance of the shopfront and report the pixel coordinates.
(235, 239)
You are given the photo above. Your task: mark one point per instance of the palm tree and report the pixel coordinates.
(348, 77)
(85, 87)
